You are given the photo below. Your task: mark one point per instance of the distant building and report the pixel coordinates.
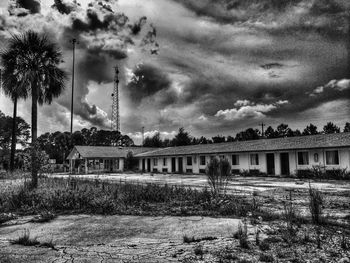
(100, 159)
(280, 156)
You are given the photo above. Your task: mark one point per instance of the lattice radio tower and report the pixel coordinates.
(115, 102)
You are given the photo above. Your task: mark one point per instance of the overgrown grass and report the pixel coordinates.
(98, 197)
(25, 240)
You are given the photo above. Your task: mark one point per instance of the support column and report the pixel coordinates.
(86, 166)
(70, 166)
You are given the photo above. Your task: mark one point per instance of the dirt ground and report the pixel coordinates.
(84, 238)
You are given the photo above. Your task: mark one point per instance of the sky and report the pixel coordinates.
(212, 67)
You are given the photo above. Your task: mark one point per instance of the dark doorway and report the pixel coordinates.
(181, 170)
(173, 164)
(143, 165)
(270, 163)
(285, 163)
(148, 165)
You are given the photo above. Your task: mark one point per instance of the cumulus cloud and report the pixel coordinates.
(333, 85)
(247, 109)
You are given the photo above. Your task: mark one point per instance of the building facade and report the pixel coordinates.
(281, 156)
(100, 159)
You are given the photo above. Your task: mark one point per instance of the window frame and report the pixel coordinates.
(202, 158)
(256, 159)
(300, 159)
(165, 161)
(236, 158)
(336, 157)
(187, 159)
(155, 161)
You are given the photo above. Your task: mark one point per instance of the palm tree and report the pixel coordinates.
(33, 63)
(13, 90)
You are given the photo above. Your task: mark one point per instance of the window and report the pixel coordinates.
(222, 157)
(155, 161)
(235, 159)
(202, 160)
(303, 158)
(189, 160)
(316, 157)
(165, 161)
(254, 159)
(332, 157)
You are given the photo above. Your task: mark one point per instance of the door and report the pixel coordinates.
(180, 165)
(149, 165)
(143, 165)
(270, 163)
(284, 163)
(111, 165)
(173, 164)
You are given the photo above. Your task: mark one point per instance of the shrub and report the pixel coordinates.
(264, 245)
(198, 251)
(218, 173)
(243, 235)
(188, 239)
(25, 240)
(264, 257)
(315, 205)
(320, 172)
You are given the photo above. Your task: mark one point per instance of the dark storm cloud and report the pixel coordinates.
(65, 7)
(147, 80)
(32, 5)
(93, 22)
(137, 26)
(328, 17)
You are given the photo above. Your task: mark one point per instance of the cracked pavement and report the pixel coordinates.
(86, 238)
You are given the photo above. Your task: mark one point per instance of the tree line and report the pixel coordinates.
(59, 144)
(183, 137)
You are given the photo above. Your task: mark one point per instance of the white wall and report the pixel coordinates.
(245, 164)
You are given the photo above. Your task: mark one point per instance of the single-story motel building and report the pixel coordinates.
(280, 156)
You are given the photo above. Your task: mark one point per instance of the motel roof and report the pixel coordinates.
(106, 151)
(320, 141)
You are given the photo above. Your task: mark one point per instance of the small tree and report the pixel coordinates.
(218, 173)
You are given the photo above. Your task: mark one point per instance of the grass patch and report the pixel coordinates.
(59, 195)
(25, 239)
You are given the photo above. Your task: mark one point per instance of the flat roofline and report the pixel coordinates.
(235, 152)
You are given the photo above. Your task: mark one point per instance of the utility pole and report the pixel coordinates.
(74, 42)
(262, 129)
(143, 135)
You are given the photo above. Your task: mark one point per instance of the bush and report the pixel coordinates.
(264, 245)
(218, 173)
(266, 257)
(320, 172)
(25, 240)
(242, 235)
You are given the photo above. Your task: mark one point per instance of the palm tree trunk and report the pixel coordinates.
(14, 129)
(34, 136)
